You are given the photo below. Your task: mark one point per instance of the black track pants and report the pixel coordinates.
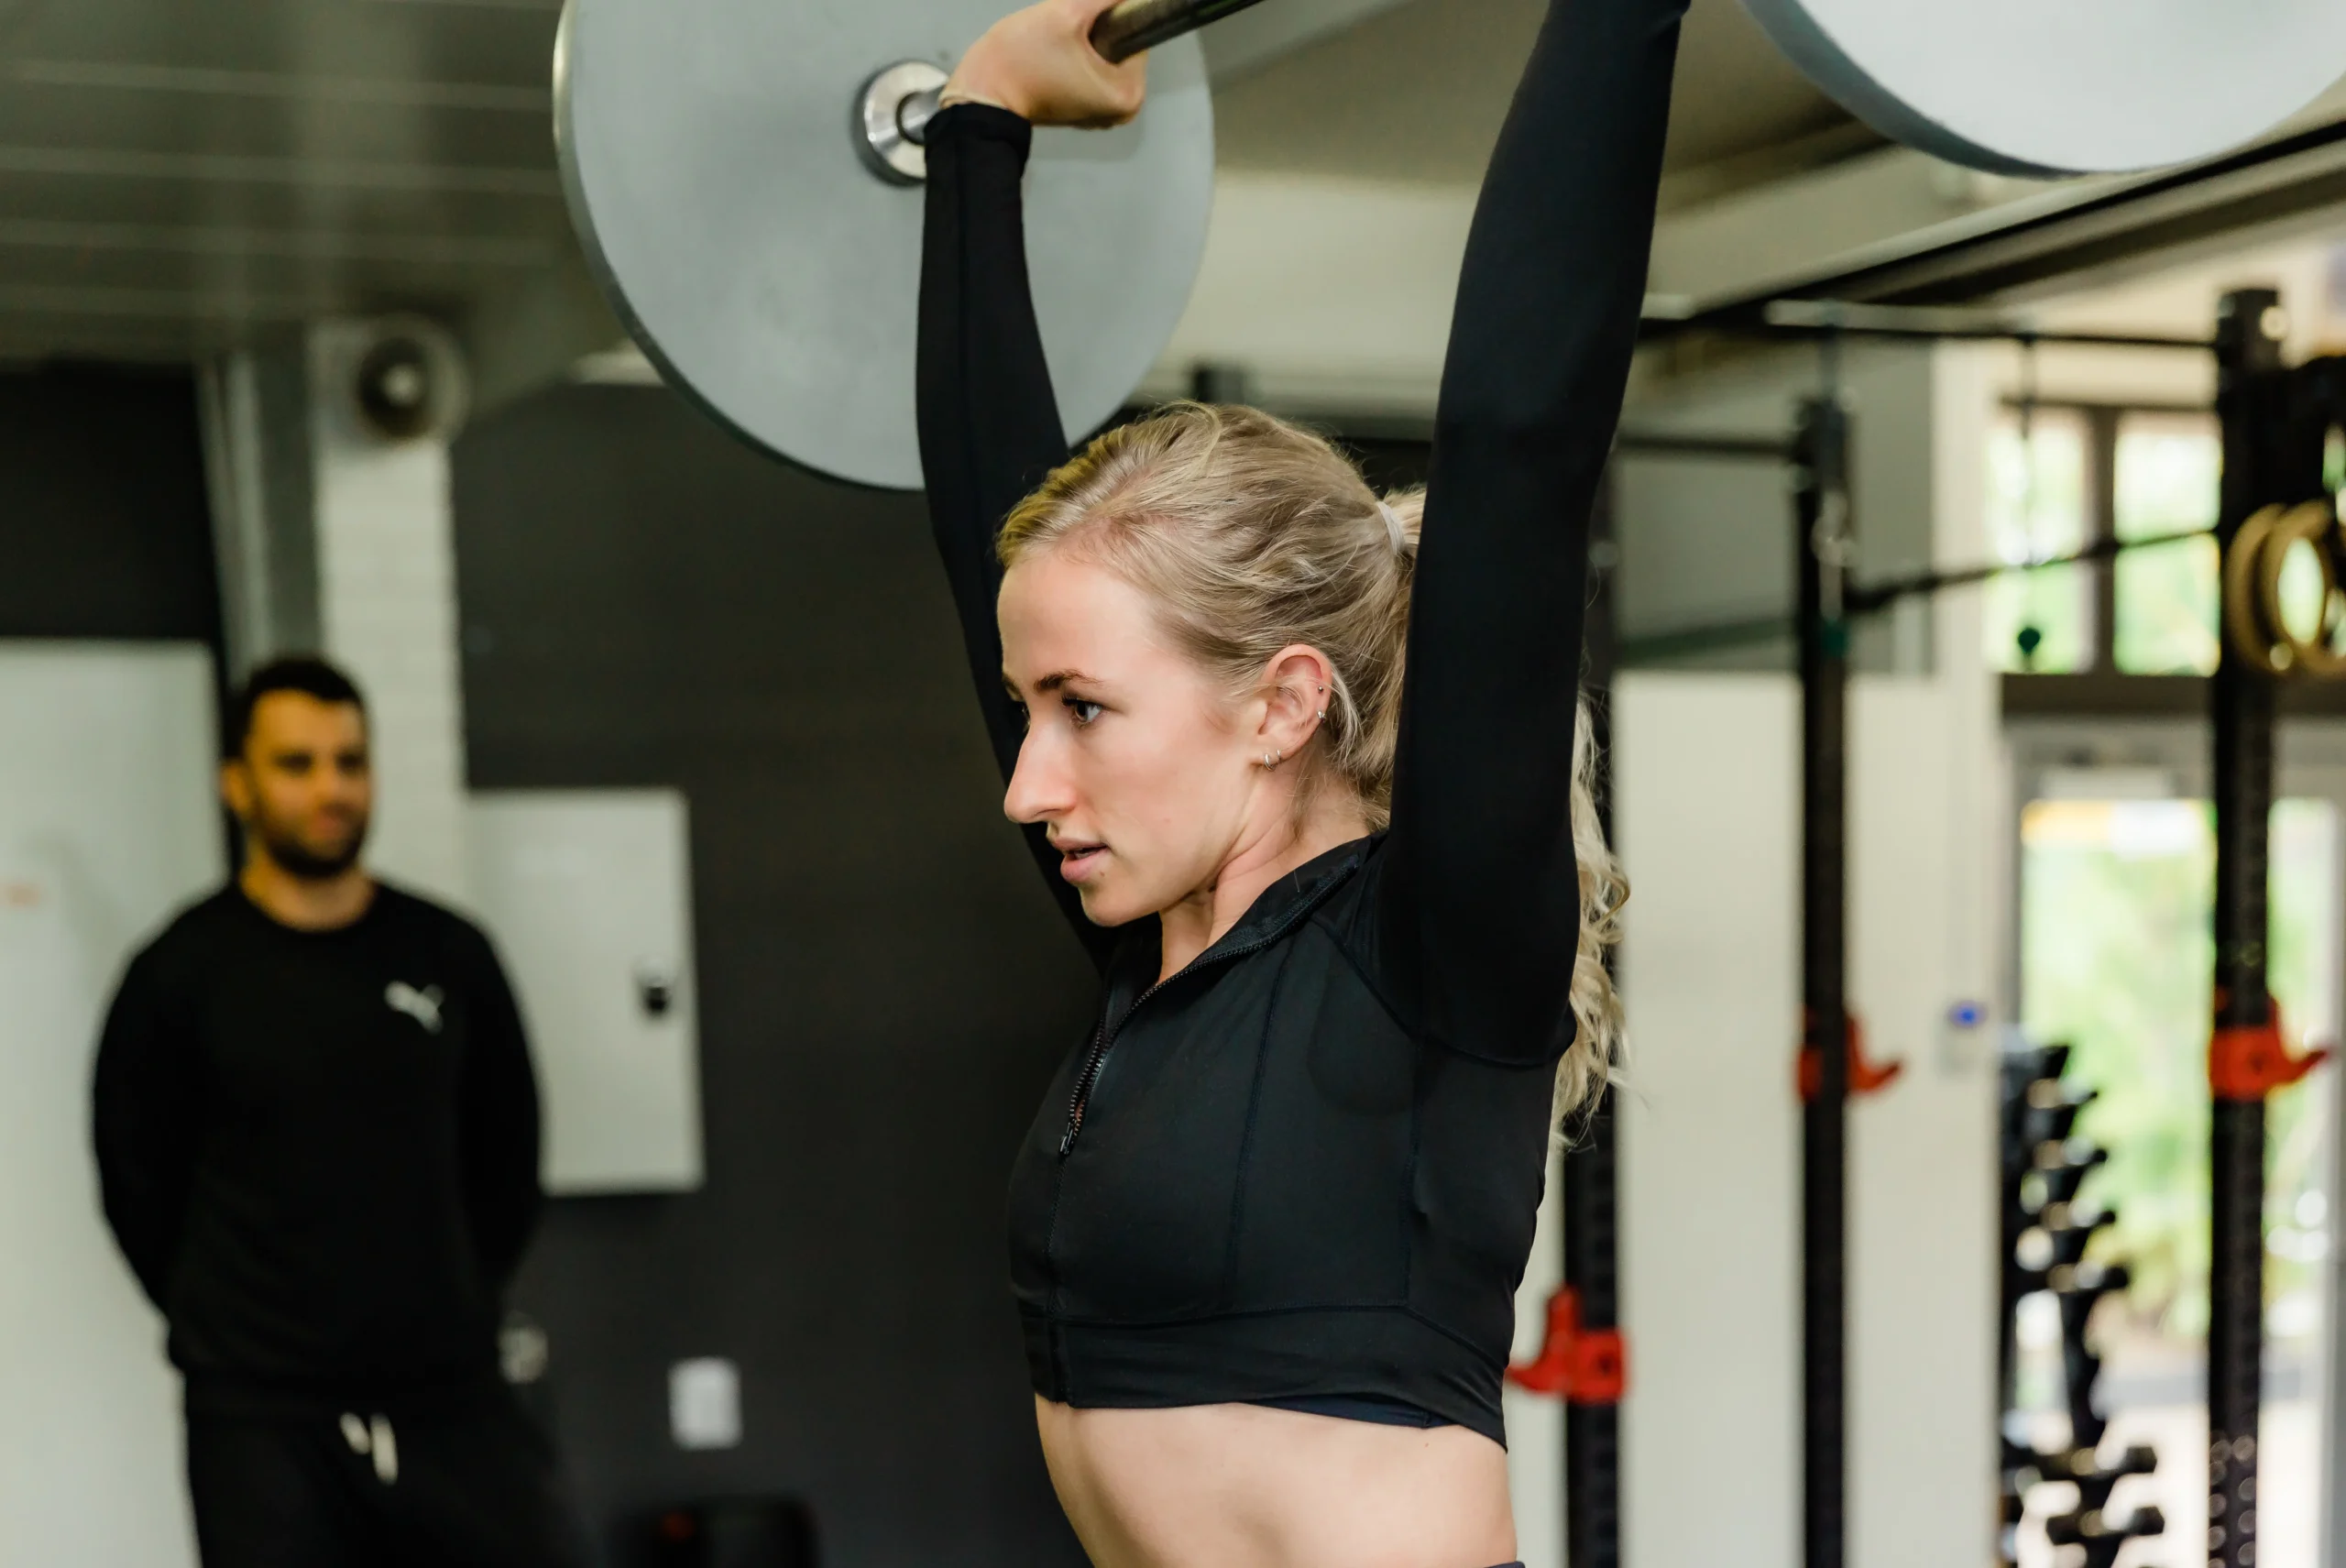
(470, 1484)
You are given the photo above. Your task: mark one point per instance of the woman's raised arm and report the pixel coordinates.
(989, 423)
(1481, 897)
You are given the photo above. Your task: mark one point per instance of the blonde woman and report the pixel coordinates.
(1350, 906)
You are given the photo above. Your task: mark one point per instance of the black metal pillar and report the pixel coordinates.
(2101, 434)
(1592, 1167)
(1593, 1431)
(1823, 517)
(2248, 355)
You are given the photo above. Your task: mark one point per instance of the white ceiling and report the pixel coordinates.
(176, 175)
(1418, 93)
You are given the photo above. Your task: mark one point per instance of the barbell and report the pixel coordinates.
(743, 173)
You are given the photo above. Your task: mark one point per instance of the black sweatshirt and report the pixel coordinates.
(319, 1150)
(1308, 1167)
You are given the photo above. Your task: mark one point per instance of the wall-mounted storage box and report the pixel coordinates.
(588, 896)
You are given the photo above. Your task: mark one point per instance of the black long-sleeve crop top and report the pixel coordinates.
(1309, 1164)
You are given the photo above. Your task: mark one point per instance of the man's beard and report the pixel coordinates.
(299, 858)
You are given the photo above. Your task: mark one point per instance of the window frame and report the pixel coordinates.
(2104, 423)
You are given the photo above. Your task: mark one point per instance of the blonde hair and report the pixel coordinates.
(1253, 535)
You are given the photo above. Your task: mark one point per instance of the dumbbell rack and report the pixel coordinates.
(2046, 1231)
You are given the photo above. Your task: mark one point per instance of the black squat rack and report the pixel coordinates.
(1584, 1359)
(2276, 423)
(2276, 420)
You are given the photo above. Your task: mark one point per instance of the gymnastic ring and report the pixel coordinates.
(2243, 622)
(2307, 524)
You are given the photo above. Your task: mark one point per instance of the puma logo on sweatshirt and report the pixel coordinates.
(424, 1005)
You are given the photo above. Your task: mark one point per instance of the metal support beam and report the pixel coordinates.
(1823, 515)
(255, 409)
(1592, 1167)
(2103, 432)
(1592, 1269)
(1840, 318)
(2063, 230)
(2252, 399)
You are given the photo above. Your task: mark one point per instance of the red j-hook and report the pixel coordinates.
(1865, 1077)
(1588, 1366)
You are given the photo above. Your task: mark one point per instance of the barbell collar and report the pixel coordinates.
(892, 115)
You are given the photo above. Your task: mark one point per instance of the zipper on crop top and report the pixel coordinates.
(1103, 1038)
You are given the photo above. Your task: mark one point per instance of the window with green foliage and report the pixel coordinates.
(2060, 478)
(2117, 959)
(2168, 471)
(2038, 621)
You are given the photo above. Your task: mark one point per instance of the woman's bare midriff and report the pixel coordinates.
(1248, 1486)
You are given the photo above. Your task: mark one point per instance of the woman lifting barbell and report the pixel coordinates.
(1352, 910)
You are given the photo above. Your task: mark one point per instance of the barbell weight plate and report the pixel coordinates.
(2051, 87)
(709, 150)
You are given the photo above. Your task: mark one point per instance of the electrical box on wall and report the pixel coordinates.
(588, 896)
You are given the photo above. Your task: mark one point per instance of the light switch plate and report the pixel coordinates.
(704, 1403)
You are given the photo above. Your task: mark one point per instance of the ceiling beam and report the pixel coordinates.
(1808, 239)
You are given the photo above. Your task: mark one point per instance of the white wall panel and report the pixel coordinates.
(1706, 817)
(1706, 791)
(387, 601)
(107, 823)
(1922, 1154)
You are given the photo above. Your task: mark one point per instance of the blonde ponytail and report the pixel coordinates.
(1597, 1041)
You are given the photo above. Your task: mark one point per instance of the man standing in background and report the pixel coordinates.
(317, 1136)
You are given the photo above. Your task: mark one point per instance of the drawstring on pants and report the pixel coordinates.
(376, 1440)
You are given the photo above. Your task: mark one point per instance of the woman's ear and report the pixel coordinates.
(236, 788)
(1295, 697)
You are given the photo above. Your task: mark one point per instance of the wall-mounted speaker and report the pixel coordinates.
(403, 378)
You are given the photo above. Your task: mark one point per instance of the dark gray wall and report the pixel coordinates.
(104, 524)
(884, 986)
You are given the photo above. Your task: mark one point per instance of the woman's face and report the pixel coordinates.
(1146, 776)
